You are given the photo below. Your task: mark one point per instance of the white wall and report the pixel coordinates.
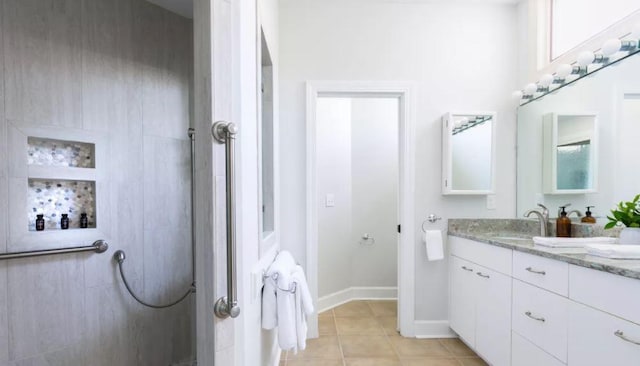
(335, 249)
(374, 182)
(462, 57)
(252, 345)
(357, 162)
(121, 70)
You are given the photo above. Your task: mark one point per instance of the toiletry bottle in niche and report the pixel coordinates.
(40, 222)
(84, 222)
(64, 222)
(563, 224)
(588, 218)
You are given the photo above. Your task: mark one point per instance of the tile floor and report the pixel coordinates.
(363, 333)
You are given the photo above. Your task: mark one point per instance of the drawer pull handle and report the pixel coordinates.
(483, 275)
(530, 315)
(620, 334)
(467, 269)
(535, 271)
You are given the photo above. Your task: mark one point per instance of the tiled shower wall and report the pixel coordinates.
(122, 68)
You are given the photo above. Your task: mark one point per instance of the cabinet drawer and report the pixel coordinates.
(611, 293)
(526, 353)
(546, 273)
(597, 338)
(490, 256)
(541, 317)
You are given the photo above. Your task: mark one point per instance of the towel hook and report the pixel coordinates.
(432, 218)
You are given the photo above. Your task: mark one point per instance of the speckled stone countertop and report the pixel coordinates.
(516, 234)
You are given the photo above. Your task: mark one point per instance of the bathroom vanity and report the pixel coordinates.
(518, 304)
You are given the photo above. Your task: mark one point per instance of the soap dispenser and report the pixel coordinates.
(588, 219)
(563, 224)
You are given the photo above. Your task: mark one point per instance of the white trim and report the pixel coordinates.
(406, 214)
(433, 329)
(356, 293)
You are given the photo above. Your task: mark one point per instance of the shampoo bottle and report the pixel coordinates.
(588, 219)
(563, 225)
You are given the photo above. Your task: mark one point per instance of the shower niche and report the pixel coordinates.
(56, 171)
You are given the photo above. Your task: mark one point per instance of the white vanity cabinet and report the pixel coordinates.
(521, 309)
(480, 298)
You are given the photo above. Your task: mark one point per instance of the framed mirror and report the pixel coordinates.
(468, 153)
(570, 153)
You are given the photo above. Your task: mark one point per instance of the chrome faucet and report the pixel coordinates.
(543, 218)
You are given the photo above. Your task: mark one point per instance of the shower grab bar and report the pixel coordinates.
(225, 133)
(98, 246)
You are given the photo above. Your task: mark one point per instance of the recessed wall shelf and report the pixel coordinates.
(50, 152)
(52, 198)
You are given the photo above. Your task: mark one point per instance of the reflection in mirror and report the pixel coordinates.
(613, 94)
(468, 153)
(570, 148)
(266, 141)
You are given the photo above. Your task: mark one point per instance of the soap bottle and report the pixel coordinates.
(563, 224)
(84, 221)
(39, 222)
(64, 222)
(588, 219)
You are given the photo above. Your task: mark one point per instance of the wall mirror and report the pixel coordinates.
(608, 102)
(266, 139)
(570, 151)
(468, 153)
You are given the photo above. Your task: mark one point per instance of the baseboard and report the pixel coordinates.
(433, 329)
(356, 293)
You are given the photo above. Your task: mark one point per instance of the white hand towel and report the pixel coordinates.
(614, 251)
(571, 242)
(433, 244)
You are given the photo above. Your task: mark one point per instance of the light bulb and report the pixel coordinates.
(546, 80)
(611, 46)
(564, 70)
(586, 58)
(517, 94)
(530, 89)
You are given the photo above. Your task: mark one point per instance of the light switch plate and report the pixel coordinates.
(330, 200)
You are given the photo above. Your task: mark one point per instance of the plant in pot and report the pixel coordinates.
(627, 214)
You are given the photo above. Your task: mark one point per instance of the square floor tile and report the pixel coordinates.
(430, 362)
(358, 326)
(472, 362)
(366, 346)
(384, 307)
(327, 325)
(389, 324)
(372, 362)
(457, 347)
(413, 347)
(354, 308)
(325, 347)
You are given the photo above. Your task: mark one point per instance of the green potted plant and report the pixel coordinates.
(627, 214)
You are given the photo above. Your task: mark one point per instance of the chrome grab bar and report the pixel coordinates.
(225, 133)
(98, 246)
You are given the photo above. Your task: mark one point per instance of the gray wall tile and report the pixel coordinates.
(45, 304)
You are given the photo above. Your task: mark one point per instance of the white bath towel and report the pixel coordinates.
(614, 251)
(283, 265)
(303, 306)
(433, 244)
(571, 242)
(286, 302)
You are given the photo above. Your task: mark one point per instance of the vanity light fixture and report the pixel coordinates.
(468, 122)
(580, 68)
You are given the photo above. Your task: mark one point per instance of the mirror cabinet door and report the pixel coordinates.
(468, 142)
(570, 159)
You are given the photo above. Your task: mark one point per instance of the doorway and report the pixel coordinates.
(359, 195)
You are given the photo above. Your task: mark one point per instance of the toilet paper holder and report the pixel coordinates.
(432, 218)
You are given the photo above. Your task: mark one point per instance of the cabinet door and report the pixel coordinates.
(493, 316)
(597, 338)
(462, 303)
(526, 353)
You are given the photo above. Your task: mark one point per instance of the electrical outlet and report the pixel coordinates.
(491, 202)
(330, 200)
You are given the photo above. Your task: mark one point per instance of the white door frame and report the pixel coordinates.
(406, 248)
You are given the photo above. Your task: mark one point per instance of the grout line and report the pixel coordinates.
(335, 324)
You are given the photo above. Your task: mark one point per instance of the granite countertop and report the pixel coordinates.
(516, 234)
